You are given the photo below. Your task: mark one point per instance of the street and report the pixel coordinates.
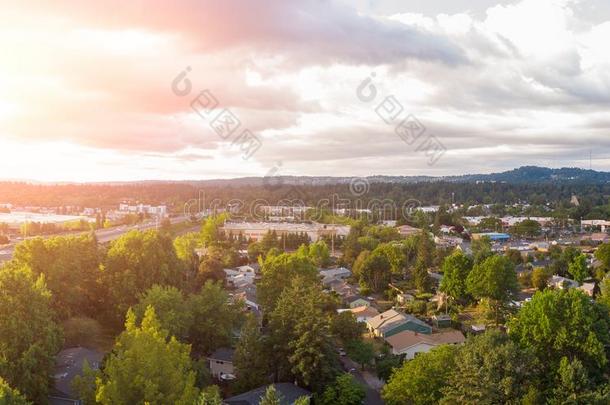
(369, 381)
(103, 235)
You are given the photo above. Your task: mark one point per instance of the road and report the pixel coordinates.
(371, 383)
(103, 235)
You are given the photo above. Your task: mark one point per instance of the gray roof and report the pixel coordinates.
(223, 354)
(69, 364)
(289, 394)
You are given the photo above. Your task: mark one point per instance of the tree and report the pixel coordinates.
(456, 268)
(272, 397)
(211, 233)
(211, 269)
(540, 278)
(71, 269)
(571, 383)
(494, 279)
(213, 319)
(603, 255)
(170, 307)
(319, 253)
(345, 391)
(83, 385)
(481, 249)
(185, 246)
(278, 272)
(29, 336)
(361, 352)
(147, 367)
(10, 396)
(134, 263)
(567, 321)
(490, 369)
(579, 269)
(346, 327)
(300, 340)
(527, 228)
(376, 271)
(604, 292)
(420, 381)
(210, 396)
(251, 365)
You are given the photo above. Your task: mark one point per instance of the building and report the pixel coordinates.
(340, 273)
(69, 364)
(364, 313)
(410, 344)
(407, 230)
(588, 288)
(493, 236)
(288, 393)
(562, 283)
(160, 211)
(257, 230)
(404, 298)
(221, 363)
(442, 321)
(392, 322)
(356, 301)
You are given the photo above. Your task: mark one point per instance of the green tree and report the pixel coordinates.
(71, 269)
(210, 396)
(495, 280)
(250, 359)
(272, 397)
(319, 253)
(278, 273)
(211, 233)
(10, 396)
(301, 342)
(481, 249)
(213, 318)
(604, 292)
(346, 327)
(421, 380)
(578, 269)
(361, 352)
(527, 228)
(603, 255)
(185, 246)
(572, 383)
(29, 336)
(567, 321)
(146, 367)
(376, 271)
(134, 263)
(540, 278)
(345, 391)
(171, 309)
(456, 268)
(84, 385)
(490, 369)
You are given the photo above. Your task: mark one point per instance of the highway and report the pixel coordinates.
(103, 235)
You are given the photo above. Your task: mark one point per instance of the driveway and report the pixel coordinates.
(369, 381)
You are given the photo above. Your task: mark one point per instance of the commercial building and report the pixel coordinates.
(257, 230)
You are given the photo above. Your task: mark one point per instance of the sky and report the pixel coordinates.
(201, 89)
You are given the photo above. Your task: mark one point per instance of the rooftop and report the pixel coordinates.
(289, 394)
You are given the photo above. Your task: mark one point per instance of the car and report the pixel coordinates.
(352, 370)
(342, 352)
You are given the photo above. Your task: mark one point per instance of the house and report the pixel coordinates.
(392, 322)
(410, 344)
(356, 301)
(562, 283)
(406, 231)
(221, 363)
(364, 313)
(69, 364)
(448, 241)
(341, 287)
(289, 393)
(404, 298)
(248, 295)
(588, 288)
(442, 321)
(340, 273)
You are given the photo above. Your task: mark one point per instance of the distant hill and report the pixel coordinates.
(525, 174)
